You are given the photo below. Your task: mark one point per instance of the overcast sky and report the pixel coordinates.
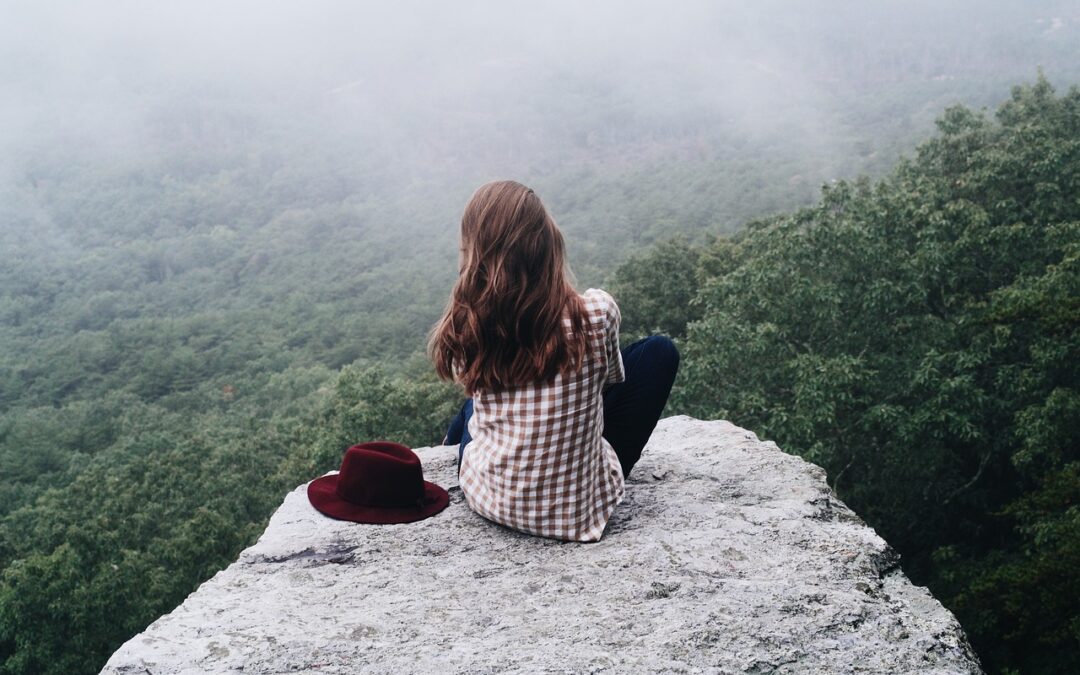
(443, 75)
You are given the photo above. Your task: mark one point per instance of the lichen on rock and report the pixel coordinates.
(727, 555)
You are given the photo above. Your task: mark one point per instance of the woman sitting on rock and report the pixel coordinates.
(557, 415)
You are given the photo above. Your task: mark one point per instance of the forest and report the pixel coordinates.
(919, 337)
(867, 248)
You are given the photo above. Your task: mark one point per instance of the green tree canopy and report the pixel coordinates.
(918, 337)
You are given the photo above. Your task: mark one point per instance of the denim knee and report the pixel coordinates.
(662, 347)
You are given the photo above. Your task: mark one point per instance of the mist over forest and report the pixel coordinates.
(744, 109)
(225, 230)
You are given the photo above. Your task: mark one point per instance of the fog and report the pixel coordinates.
(428, 71)
(790, 94)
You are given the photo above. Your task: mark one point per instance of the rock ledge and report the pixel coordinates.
(728, 555)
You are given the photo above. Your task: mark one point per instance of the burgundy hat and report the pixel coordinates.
(379, 482)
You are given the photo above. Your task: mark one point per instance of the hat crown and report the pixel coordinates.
(382, 474)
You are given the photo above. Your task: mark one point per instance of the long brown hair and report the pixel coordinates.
(503, 325)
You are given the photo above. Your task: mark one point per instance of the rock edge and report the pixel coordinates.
(727, 555)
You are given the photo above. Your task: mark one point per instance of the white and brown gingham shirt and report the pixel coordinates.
(537, 461)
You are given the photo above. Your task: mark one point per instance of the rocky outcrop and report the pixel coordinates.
(728, 555)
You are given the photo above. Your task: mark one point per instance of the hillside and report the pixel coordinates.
(919, 338)
(223, 239)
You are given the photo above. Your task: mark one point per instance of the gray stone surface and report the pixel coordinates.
(727, 556)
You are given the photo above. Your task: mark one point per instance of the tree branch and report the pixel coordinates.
(974, 479)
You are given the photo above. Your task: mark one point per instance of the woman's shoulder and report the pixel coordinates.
(598, 296)
(600, 304)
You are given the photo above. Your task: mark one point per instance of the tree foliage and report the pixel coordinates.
(155, 513)
(918, 337)
(192, 329)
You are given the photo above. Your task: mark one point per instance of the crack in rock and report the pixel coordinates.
(335, 555)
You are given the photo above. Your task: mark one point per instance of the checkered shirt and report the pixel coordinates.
(537, 461)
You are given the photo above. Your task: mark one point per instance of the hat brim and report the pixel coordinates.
(322, 493)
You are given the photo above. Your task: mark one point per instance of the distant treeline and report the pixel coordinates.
(187, 337)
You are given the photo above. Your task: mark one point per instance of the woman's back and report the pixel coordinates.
(537, 359)
(537, 461)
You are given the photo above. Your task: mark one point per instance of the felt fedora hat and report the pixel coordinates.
(379, 482)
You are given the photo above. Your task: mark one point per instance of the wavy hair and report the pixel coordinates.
(504, 323)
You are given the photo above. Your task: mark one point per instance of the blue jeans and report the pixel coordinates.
(631, 408)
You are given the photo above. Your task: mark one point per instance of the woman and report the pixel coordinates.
(557, 415)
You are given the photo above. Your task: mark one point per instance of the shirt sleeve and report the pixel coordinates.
(613, 317)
